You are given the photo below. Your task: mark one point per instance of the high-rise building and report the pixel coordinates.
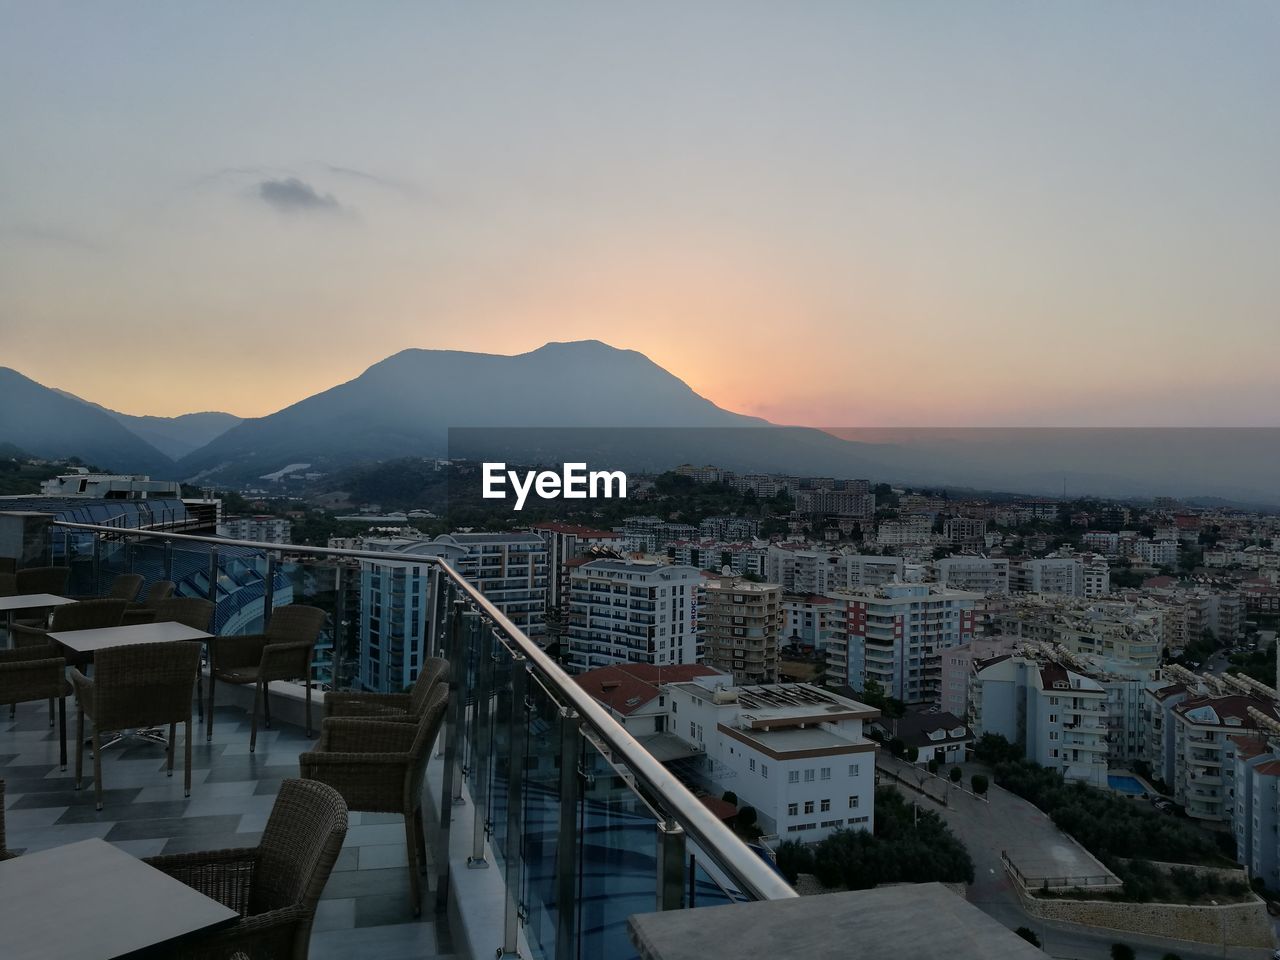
(740, 625)
(631, 611)
(979, 574)
(895, 634)
(567, 542)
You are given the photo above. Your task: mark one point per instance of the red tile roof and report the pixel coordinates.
(625, 688)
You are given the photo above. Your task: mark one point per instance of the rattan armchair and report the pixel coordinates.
(378, 766)
(81, 615)
(195, 613)
(124, 586)
(4, 850)
(139, 685)
(390, 706)
(274, 886)
(37, 673)
(282, 652)
(144, 611)
(40, 580)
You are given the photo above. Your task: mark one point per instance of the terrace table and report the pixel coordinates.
(101, 638)
(28, 601)
(92, 901)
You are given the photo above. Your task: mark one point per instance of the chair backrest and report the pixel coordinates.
(142, 684)
(299, 846)
(191, 611)
(434, 671)
(43, 580)
(89, 614)
(8, 565)
(125, 586)
(158, 591)
(8, 584)
(294, 623)
(429, 724)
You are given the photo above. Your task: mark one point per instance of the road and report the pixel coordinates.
(1011, 823)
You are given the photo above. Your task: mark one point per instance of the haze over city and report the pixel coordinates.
(942, 214)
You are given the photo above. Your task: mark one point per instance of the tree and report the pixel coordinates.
(913, 754)
(979, 782)
(1121, 951)
(933, 764)
(794, 858)
(1029, 935)
(730, 797)
(956, 774)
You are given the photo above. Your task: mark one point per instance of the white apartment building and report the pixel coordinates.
(804, 570)
(1114, 630)
(957, 668)
(1057, 715)
(964, 530)
(567, 542)
(632, 611)
(979, 574)
(1064, 575)
(904, 531)
(808, 621)
(1157, 553)
(510, 568)
(263, 528)
(896, 633)
(794, 752)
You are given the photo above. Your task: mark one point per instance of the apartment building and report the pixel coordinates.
(510, 568)
(964, 531)
(809, 621)
(895, 634)
(904, 531)
(1062, 575)
(1157, 553)
(567, 542)
(740, 623)
(1055, 714)
(857, 504)
(262, 528)
(631, 611)
(957, 668)
(800, 569)
(795, 752)
(988, 575)
(1114, 630)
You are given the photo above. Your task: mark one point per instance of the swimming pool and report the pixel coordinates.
(1126, 784)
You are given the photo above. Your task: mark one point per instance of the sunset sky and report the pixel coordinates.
(824, 213)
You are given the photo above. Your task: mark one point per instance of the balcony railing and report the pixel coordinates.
(585, 826)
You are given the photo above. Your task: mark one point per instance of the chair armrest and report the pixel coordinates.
(223, 875)
(355, 773)
(28, 636)
(23, 678)
(280, 660)
(270, 934)
(83, 687)
(245, 651)
(389, 706)
(353, 735)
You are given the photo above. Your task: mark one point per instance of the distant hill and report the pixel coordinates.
(46, 423)
(406, 405)
(175, 437)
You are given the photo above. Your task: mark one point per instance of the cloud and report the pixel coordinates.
(291, 195)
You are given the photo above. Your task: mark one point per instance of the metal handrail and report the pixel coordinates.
(753, 876)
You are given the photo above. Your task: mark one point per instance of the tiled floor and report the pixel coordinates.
(365, 907)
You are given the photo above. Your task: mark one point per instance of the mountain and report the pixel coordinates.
(175, 437)
(583, 400)
(46, 423)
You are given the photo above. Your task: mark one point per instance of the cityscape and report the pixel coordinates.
(626, 482)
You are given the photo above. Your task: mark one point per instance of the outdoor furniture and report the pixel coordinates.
(8, 584)
(90, 900)
(4, 850)
(36, 673)
(145, 612)
(80, 615)
(274, 886)
(124, 586)
(390, 706)
(282, 652)
(378, 766)
(34, 580)
(141, 685)
(195, 613)
(8, 565)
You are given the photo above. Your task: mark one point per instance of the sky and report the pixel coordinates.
(828, 213)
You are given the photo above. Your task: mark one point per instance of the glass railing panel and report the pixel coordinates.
(618, 859)
(544, 743)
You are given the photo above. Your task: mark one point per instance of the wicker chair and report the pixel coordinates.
(283, 652)
(378, 766)
(52, 580)
(195, 613)
(273, 886)
(8, 565)
(82, 615)
(8, 584)
(139, 685)
(37, 673)
(390, 706)
(4, 850)
(145, 611)
(124, 586)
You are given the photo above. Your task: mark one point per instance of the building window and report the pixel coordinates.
(853, 769)
(825, 806)
(853, 803)
(808, 775)
(764, 770)
(808, 806)
(793, 809)
(752, 764)
(825, 773)
(793, 776)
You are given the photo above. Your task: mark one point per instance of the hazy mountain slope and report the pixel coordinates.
(175, 437)
(47, 423)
